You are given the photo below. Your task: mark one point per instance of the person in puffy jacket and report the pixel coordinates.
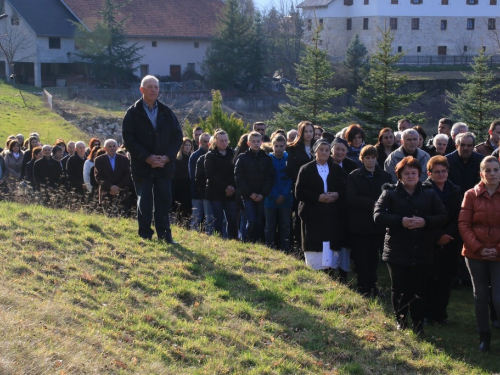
(254, 176)
(410, 213)
(479, 225)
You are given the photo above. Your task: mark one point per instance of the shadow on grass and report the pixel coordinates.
(303, 327)
(459, 340)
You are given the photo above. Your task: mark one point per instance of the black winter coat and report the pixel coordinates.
(349, 165)
(363, 190)
(142, 140)
(297, 157)
(181, 183)
(74, 171)
(409, 246)
(219, 170)
(254, 173)
(47, 172)
(464, 175)
(446, 258)
(200, 177)
(321, 221)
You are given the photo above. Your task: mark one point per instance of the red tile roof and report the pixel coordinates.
(157, 18)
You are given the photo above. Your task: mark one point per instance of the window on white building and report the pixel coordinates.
(419, 49)
(309, 25)
(493, 2)
(54, 43)
(367, 2)
(191, 67)
(154, 43)
(483, 48)
(470, 23)
(444, 2)
(348, 2)
(444, 24)
(394, 1)
(400, 49)
(196, 44)
(491, 24)
(442, 50)
(465, 48)
(349, 23)
(471, 2)
(416, 1)
(365, 23)
(393, 23)
(415, 23)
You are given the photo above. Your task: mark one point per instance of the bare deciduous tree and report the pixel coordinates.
(465, 44)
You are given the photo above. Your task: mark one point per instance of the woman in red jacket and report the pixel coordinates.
(479, 225)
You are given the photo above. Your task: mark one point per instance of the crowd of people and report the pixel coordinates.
(420, 205)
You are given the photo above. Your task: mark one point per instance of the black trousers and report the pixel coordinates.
(365, 254)
(408, 284)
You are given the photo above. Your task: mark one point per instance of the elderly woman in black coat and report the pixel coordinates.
(320, 190)
(364, 186)
(447, 246)
(410, 213)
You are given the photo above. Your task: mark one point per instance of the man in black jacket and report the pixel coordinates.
(464, 162)
(74, 169)
(153, 136)
(47, 171)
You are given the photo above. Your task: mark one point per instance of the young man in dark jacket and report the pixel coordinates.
(254, 176)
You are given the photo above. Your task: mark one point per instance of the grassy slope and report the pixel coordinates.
(83, 293)
(16, 118)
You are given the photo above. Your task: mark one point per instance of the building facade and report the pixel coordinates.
(420, 27)
(39, 37)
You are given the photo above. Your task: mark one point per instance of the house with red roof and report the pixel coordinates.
(174, 35)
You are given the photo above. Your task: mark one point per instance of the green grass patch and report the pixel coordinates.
(82, 293)
(16, 117)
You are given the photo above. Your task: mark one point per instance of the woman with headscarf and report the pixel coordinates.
(320, 190)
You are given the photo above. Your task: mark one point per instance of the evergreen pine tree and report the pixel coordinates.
(106, 48)
(475, 104)
(219, 119)
(378, 102)
(312, 99)
(356, 61)
(233, 57)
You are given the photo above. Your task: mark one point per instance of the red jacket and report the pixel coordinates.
(479, 221)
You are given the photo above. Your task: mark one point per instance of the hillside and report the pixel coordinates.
(16, 117)
(82, 294)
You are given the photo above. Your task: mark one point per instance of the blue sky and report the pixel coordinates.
(262, 3)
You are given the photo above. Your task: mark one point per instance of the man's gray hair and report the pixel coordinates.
(409, 132)
(457, 126)
(149, 78)
(108, 141)
(439, 137)
(79, 143)
(70, 142)
(459, 137)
